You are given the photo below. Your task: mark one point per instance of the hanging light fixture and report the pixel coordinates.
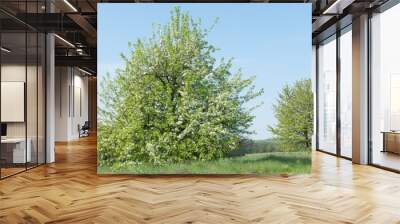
(5, 50)
(70, 5)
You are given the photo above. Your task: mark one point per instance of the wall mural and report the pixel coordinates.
(189, 89)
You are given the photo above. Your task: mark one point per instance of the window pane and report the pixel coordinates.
(346, 93)
(386, 89)
(327, 96)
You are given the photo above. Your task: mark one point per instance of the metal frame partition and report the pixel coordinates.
(40, 118)
(338, 76)
(0, 92)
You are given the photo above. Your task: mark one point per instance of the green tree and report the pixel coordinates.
(173, 102)
(294, 114)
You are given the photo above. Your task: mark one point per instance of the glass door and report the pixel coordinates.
(22, 78)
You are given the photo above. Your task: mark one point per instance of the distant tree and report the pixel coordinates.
(173, 102)
(294, 114)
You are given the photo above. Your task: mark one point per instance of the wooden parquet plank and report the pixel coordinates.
(70, 191)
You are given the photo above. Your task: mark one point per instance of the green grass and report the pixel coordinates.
(260, 163)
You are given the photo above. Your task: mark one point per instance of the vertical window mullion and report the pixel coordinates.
(37, 90)
(0, 92)
(26, 86)
(317, 97)
(338, 80)
(369, 90)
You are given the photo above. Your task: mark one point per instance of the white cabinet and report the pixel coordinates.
(19, 154)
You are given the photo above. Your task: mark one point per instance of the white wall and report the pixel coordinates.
(12, 73)
(79, 109)
(62, 82)
(33, 126)
(70, 83)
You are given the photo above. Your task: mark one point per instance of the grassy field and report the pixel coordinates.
(260, 163)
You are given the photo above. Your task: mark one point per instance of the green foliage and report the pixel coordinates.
(262, 163)
(172, 102)
(294, 113)
(249, 146)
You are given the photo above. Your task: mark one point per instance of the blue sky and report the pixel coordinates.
(270, 41)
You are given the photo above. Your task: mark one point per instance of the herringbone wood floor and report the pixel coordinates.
(70, 191)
